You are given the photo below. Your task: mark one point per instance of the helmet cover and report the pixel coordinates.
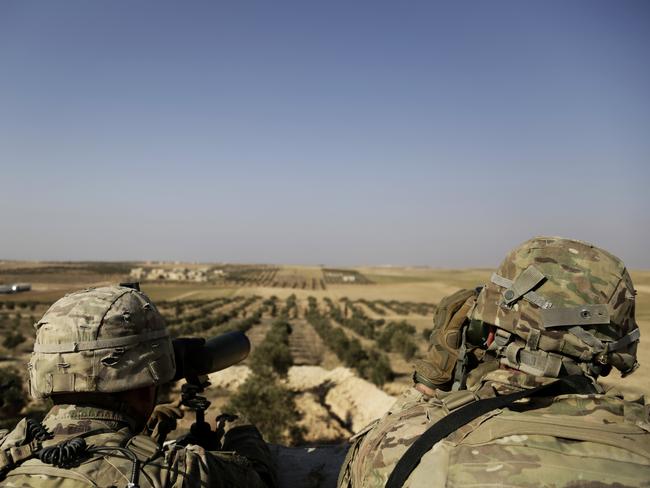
(101, 340)
(564, 297)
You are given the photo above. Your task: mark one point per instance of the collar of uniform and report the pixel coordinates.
(60, 414)
(511, 380)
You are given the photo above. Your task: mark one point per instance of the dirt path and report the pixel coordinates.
(305, 345)
(185, 296)
(257, 333)
(307, 348)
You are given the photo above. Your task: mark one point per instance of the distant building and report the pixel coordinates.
(137, 274)
(175, 274)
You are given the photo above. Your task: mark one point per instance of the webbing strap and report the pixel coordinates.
(458, 418)
(100, 344)
(13, 456)
(523, 283)
(605, 346)
(588, 338)
(537, 363)
(530, 296)
(624, 341)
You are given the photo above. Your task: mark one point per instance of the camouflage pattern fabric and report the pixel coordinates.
(576, 281)
(567, 441)
(245, 464)
(101, 340)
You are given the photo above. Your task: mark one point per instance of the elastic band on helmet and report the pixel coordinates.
(100, 344)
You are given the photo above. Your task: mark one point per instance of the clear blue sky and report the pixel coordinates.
(439, 133)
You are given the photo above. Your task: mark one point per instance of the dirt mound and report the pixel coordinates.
(309, 377)
(231, 378)
(354, 401)
(316, 421)
(333, 402)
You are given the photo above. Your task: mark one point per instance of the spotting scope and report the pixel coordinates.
(197, 356)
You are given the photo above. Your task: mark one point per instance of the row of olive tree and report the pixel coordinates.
(371, 364)
(263, 398)
(205, 323)
(354, 318)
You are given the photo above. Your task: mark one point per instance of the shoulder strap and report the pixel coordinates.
(466, 414)
(27, 438)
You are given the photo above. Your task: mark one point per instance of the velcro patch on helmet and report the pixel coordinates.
(513, 293)
(595, 314)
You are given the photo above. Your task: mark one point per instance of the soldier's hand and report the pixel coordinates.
(436, 369)
(163, 420)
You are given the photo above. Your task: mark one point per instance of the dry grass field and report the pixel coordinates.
(333, 323)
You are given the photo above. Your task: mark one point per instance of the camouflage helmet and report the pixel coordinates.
(101, 340)
(560, 305)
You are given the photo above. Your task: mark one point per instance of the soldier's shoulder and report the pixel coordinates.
(602, 408)
(376, 449)
(13, 437)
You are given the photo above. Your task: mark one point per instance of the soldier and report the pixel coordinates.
(508, 394)
(99, 356)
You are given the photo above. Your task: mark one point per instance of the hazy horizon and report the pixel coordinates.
(424, 134)
(155, 262)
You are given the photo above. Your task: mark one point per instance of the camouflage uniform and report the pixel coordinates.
(174, 467)
(109, 340)
(597, 439)
(588, 438)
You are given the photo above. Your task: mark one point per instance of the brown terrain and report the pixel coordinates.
(335, 393)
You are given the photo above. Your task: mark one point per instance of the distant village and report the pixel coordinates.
(343, 276)
(176, 274)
